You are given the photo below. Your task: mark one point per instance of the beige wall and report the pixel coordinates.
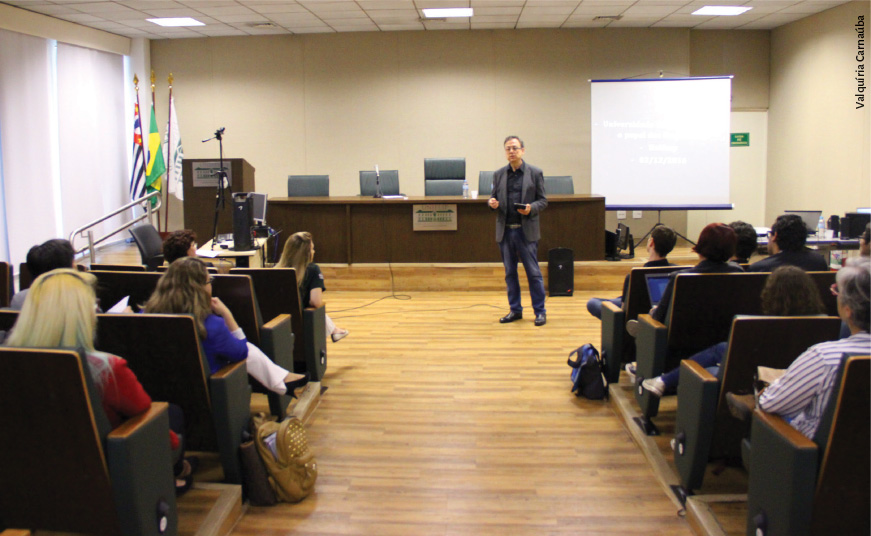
(819, 143)
(340, 103)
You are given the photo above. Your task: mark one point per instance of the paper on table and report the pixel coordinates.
(207, 253)
(120, 306)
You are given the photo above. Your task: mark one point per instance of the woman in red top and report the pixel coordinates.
(60, 311)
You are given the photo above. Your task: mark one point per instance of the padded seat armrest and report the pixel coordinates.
(613, 333)
(782, 471)
(315, 329)
(651, 350)
(276, 341)
(139, 458)
(697, 396)
(231, 407)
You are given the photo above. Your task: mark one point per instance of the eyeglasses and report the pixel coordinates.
(511, 148)
(834, 289)
(210, 280)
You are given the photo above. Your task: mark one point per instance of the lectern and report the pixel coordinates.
(200, 186)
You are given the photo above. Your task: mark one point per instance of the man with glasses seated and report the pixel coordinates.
(518, 197)
(786, 247)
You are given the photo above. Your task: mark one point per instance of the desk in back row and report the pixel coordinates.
(351, 230)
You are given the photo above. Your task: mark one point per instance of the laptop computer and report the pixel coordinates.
(656, 284)
(811, 218)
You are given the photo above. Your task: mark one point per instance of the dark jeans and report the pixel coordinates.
(515, 248)
(708, 358)
(594, 305)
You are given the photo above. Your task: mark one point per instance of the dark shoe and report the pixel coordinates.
(294, 385)
(510, 317)
(541, 319)
(741, 406)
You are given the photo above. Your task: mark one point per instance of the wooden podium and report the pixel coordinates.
(200, 187)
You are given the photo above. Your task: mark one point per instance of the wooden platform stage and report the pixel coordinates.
(434, 419)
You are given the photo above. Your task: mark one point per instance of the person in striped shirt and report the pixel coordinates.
(801, 394)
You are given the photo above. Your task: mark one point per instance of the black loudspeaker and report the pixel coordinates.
(560, 272)
(243, 220)
(834, 224)
(611, 246)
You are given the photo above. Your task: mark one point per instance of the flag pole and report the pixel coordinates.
(136, 88)
(169, 154)
(154, 106)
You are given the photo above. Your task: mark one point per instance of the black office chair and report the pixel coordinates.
(485, 182)
(444, 176)
(559, 185)
(150, 245)
(308, 186)
(389, 182)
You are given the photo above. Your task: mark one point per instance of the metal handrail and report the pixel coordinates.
(90, 234)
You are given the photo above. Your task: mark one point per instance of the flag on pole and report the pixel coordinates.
(156, 166)
(137, 179)
(174, 154)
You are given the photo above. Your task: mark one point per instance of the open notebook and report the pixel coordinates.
(656, 284)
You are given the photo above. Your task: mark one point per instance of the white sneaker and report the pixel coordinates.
(655, 385)
(632, 327)
(630, 370)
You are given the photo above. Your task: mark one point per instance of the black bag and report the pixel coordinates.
(587, 378)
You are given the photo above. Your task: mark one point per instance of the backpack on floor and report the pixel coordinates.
(283, 447)
(587, 378)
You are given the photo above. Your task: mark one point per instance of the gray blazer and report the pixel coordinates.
(533, 194)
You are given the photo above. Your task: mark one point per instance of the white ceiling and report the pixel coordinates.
(270, 17)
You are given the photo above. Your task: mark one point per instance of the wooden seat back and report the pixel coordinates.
(7, 283)
(237, 293)
(824, 282)
(113, 286)
(8, 317)
(164, 352)
(68, 489)
(845, 474)
(118, 267)
(703, 306)
(768, 341)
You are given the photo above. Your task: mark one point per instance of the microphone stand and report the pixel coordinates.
(222, 177)
(378, 194)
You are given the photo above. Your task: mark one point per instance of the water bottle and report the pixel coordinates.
(465, 189)
(821, 228)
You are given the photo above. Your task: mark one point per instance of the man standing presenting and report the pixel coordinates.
(518, 197)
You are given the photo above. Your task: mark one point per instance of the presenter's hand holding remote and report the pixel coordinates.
(493, 203)
(525, 211)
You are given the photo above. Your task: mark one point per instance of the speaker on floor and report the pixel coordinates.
(560, 272)
(243, 220)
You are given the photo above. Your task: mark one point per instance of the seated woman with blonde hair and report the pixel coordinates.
(299, 252)
(186, 288)
(60, 312)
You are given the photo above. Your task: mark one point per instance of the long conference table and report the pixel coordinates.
(349, 230)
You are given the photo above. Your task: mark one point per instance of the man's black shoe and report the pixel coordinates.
(541, 319)
(510, 317)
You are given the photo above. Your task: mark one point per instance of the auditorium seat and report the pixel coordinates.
(704, 427)
(164, 352)
(389, 179)
(444, 176)
(617, 345)
(62, 466)
(308, 186)
(699, 316)
(485, 183)
(804, 487)
(559, 185)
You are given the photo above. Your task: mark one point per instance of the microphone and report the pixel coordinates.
(377, 174)
(378, 194)
(218, 134)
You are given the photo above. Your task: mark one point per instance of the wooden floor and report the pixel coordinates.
(437, 420)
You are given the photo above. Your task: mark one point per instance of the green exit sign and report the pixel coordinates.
(740, 139)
